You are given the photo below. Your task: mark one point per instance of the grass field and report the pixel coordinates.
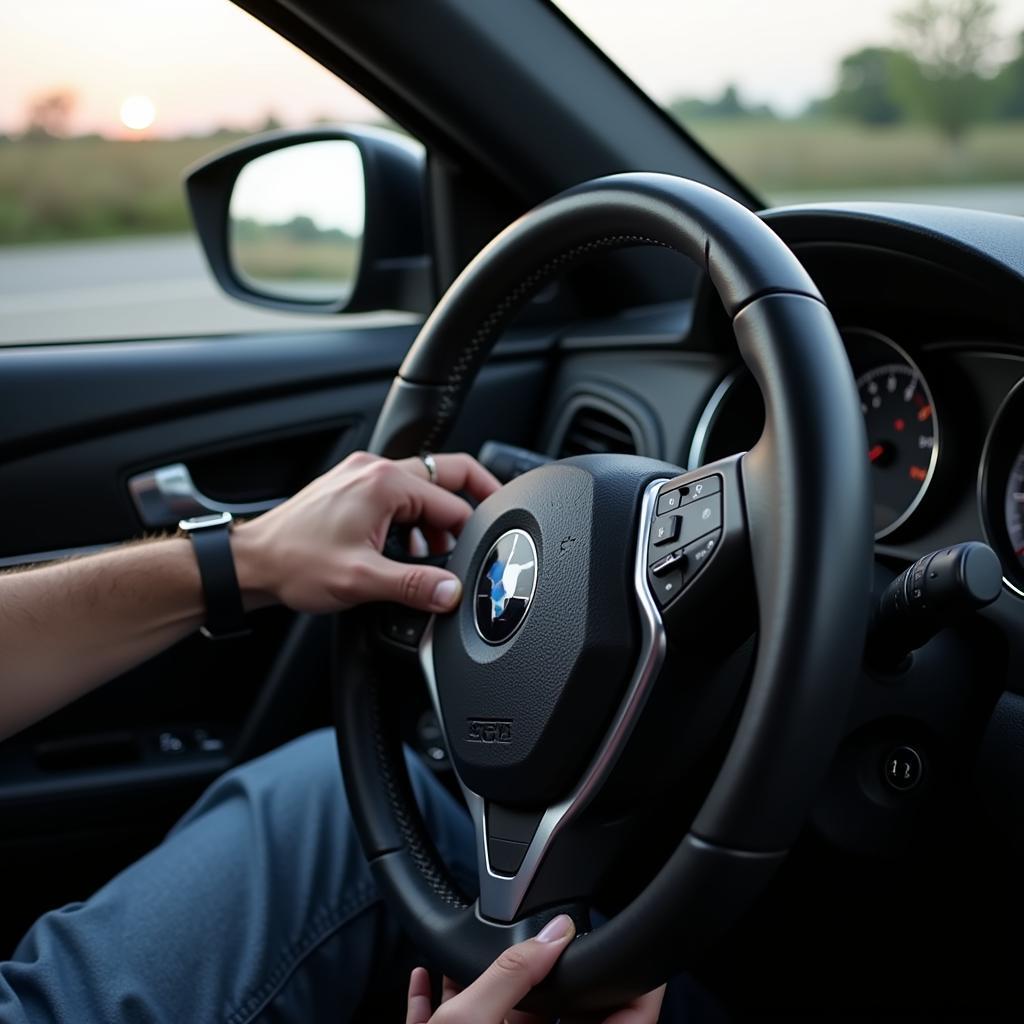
(788, 156)
(92, 188)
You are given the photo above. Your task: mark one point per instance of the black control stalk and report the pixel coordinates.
(507, 462)
(933, 593)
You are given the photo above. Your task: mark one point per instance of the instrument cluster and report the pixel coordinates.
(904, 421)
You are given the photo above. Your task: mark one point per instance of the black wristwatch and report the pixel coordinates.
(211, 541)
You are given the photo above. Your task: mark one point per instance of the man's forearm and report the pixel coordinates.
(67, 628)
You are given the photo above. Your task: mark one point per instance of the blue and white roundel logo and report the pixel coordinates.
(505, 587)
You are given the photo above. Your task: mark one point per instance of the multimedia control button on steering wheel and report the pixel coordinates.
(685, 533)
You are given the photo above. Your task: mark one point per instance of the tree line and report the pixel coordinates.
(943, 70)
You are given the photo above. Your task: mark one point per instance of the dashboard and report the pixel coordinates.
(930, 305)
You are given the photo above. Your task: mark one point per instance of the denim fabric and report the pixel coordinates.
(258, 906)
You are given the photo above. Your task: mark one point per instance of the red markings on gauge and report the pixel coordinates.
(900, 422)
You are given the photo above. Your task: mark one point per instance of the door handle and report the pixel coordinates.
(166, 495)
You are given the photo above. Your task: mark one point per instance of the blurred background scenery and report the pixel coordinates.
(103, 106)
(912, 100)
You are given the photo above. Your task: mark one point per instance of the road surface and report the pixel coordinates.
(160, 287)
(127, 288)
(1003, 198)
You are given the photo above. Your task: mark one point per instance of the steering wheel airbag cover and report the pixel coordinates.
(553, 686)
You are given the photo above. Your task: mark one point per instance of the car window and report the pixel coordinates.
(102, 108)
(910, 100)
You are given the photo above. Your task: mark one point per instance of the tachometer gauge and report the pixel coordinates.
(902, 428)
(1014, 508)
(1001, 487)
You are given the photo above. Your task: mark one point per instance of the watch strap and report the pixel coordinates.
(225, 614)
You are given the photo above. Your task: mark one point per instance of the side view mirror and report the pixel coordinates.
(319, 221)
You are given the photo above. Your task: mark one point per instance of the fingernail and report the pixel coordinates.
(446, 595)
(560, 927)
(418, 546)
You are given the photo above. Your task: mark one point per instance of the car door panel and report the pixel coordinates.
(50, 393)
(252, 418)
(78, 493)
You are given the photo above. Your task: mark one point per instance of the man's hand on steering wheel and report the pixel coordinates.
(492, 997)
(320, 551)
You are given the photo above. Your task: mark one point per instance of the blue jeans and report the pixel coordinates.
(258, 906)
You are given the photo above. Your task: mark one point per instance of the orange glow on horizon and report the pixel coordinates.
(100, 55)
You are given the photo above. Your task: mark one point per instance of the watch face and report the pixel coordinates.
(205, 522)
(505, 586)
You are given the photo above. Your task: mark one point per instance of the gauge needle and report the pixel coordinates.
(874, 454)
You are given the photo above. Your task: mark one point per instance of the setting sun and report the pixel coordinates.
(137, 113)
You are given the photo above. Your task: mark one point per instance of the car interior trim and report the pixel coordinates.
(164, 495)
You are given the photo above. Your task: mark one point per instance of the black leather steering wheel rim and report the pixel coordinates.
(806, 494)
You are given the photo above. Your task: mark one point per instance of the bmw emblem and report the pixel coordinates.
(505, 586)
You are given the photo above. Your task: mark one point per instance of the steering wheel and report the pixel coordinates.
(589, 678)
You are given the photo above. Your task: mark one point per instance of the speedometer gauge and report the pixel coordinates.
(899, 415)
(902, 430)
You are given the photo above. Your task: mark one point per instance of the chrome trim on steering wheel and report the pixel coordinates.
(501, 896)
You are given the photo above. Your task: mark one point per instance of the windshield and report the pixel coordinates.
(910, 100)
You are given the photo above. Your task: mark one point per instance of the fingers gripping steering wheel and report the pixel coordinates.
(584, 683)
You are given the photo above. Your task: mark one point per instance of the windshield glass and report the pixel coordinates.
(910, 100)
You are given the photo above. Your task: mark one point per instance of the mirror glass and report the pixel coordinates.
(296, 222)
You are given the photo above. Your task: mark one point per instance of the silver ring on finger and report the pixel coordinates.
(429, 461)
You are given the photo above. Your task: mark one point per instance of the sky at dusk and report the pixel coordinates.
(206, 64)
(203, 63)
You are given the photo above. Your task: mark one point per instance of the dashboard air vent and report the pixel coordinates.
(597, 431)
